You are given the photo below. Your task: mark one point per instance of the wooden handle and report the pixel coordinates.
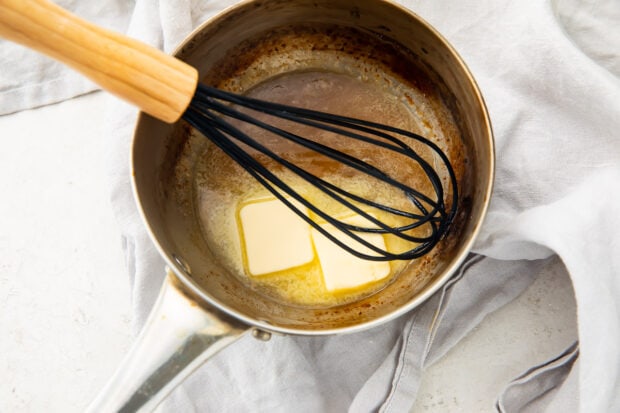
(157, 83)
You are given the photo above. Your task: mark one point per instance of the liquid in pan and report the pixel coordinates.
(346, 85)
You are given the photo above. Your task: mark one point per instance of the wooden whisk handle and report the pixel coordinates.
(157, 83)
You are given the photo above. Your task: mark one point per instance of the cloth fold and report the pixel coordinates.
(549, 71)
(537, 382)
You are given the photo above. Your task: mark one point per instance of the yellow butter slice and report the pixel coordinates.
(343, 270)
(274, 237)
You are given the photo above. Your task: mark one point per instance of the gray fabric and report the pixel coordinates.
(29, 80)
(565, 398)
(376, 370)
(440, 324)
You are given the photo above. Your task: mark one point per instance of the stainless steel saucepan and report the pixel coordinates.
(204, 305)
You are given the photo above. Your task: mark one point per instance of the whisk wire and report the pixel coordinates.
(325, 120)
(271, 182)
(205, 114)
(239, 135)
(325, 186)
(346, 159)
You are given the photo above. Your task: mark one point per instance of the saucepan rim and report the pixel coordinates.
(198, 293)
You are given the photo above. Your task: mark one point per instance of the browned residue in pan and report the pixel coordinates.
(361, 56)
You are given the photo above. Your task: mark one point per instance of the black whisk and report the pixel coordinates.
(208, 113)
(168, 88)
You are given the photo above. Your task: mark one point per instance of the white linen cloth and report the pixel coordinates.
(549, 71)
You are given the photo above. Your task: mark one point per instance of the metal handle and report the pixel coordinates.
(178, 337)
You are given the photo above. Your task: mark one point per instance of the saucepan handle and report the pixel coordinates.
(178, 337)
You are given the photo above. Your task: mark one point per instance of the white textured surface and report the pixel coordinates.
(64, 292)
(64, 299)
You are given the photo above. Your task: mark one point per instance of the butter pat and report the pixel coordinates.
(343, 270)
(274, 237)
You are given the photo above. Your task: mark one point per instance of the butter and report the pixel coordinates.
(343, 270)
(274, 237)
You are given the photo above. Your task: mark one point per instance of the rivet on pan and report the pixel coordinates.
(184, 266)
(261, 334)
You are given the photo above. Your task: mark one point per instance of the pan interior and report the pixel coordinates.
(320, 64)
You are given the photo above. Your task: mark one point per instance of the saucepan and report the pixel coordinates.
(204, 304)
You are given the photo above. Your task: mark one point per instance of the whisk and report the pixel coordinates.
(168, 89)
